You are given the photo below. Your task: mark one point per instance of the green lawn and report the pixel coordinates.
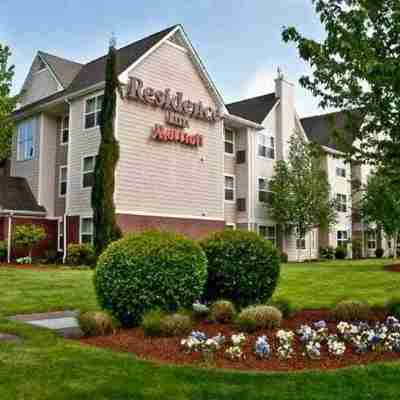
(47, 367)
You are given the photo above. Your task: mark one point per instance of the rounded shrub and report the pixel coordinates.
(223, 311)
(340, 252)
(3, 251)
(393, 307)
(175, 325)
(242, 267)
(352, 310)
(97, 323)
(379, 252)
(284, 257)
(141, 272)
(253, 318)
(80, 254)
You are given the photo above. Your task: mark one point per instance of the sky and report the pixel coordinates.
(239, 41)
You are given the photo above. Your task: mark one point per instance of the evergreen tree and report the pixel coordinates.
(106, 229)
(7, 103)
(356, 68)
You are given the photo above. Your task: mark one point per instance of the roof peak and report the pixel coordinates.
(44, 53)
(253, 98)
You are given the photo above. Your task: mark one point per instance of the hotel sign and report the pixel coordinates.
(167, 101)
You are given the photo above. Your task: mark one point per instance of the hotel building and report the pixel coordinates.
(188, 161)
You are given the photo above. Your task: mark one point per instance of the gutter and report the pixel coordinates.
(23, 212)
(242, 121)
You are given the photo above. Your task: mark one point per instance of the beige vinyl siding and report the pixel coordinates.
(61, 159)
(38, 84)
(169, 178)
(47, 163)
(28, 169)
(82, 143)
(310, 252)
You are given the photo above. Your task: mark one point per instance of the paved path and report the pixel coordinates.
(5, 337)
(63, 323)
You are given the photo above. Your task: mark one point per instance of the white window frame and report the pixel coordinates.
(231, 142)
(266, 189)
(234, 188)
(341, 202)
(21, 152)
(83, 172)
(95, 112)
(81, 218)
(266, 237)
(374, 240)
(340, 241)
(60, 180)
(267, 136)
(60, 234)
(63, 129)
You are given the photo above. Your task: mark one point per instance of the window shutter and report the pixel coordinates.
(241, 204)
(241, 157)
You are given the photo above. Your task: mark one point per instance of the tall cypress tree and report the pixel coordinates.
(106, 229)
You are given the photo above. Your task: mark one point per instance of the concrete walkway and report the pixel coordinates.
(64, 323)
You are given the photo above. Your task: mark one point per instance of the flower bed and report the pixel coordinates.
(393, 267)
(304, 341)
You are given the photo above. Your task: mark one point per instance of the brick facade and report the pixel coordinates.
(194, 228)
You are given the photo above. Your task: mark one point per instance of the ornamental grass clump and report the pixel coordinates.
(151, 322)
(149, 270)
(254, 318)
(352, 310)
(97, 323)
(223, 311)
(175, 325)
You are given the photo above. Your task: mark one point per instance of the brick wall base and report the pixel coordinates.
(194, 228)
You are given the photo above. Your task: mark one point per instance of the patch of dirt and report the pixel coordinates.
(393, 268)
(167, 350)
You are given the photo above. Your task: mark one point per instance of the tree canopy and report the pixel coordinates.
(356, 68)
(7, 102)
(300, 189)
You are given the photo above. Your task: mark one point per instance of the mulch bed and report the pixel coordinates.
(167, 350)
(393, 268)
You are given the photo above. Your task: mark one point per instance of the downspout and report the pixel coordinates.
(9, 238)
(65, 239)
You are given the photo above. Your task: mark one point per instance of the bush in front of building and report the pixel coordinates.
(340, 253)
(28, 236)
(3, 251)
(284, 257)
(242, 267)
(150, 270)
(379, 252)
(393, 307)
(253, 318)
(80, 254)
(97, 323)
(327, 253)
(175, 325)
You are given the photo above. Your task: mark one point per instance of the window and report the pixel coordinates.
(341, 202)
(268, 232)
(62, 181)
(92, 111)
(229, 140)
(25, 140)
(86, 230)
(229, 188)
(371, 240)
(64, 130)
(341, 172)
(60, 235)
(342, 238)
(266, 146)
(300, 241)
(264, 195)
(88, 171)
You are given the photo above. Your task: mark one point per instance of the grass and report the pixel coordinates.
(44, 366)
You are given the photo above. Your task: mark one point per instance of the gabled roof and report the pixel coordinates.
(16, 195)
(92, 73)
(319, 128)
(254, 109)
(65, 70)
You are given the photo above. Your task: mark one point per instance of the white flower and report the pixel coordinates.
(234, 353)
(238, 340)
